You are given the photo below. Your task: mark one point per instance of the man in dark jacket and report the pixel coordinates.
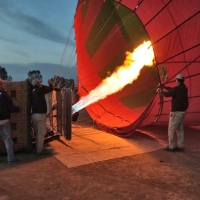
(6, 107)
(179, 105)
(39, 112)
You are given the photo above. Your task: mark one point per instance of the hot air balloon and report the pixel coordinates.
(106, 29)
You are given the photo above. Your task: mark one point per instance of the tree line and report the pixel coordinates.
(57, 81)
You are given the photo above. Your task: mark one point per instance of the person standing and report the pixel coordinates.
(179, 105)
(6, 108)
(39, 112)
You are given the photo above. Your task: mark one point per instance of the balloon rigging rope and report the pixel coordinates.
(72, 55)
(74, 47)
(63, 55)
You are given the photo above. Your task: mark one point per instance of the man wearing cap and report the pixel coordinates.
(39, 111)
(179, 105)
(6, 107)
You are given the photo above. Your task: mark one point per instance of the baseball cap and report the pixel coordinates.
(180, 77)
(35, 82)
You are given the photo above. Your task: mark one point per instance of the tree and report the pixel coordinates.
(9, 78)
(4, 74)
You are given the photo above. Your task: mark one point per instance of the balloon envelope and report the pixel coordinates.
(106, 29)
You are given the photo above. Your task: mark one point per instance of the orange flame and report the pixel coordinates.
(123, 75)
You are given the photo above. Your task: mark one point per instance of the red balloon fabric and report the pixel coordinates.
(106, 29)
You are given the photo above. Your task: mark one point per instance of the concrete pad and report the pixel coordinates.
(89, 145)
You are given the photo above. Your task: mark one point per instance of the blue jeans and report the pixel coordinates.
(6, 135)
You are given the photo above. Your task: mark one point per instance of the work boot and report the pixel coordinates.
(179, 149)
(43, 152)
(168, 149)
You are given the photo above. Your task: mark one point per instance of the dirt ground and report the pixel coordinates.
(154, 175)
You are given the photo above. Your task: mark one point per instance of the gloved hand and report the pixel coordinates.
(161, 86)
(56, 89)
(158, 90)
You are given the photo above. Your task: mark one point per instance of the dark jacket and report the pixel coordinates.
(179, 96)
(6, 106)
(38, 103)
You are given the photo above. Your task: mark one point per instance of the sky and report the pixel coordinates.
(34, 34)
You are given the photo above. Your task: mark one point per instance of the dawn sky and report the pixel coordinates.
(33, 34)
